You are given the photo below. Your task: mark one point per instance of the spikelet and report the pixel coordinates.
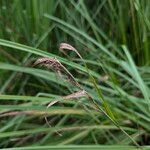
(68, 47)
(55, 65)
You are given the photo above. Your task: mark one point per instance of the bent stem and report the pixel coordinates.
(108, 113)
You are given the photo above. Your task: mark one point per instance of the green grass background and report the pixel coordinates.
(112, 36)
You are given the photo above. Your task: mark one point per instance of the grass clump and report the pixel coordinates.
(100, 88)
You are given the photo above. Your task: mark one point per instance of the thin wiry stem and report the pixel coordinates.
(96, 106)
